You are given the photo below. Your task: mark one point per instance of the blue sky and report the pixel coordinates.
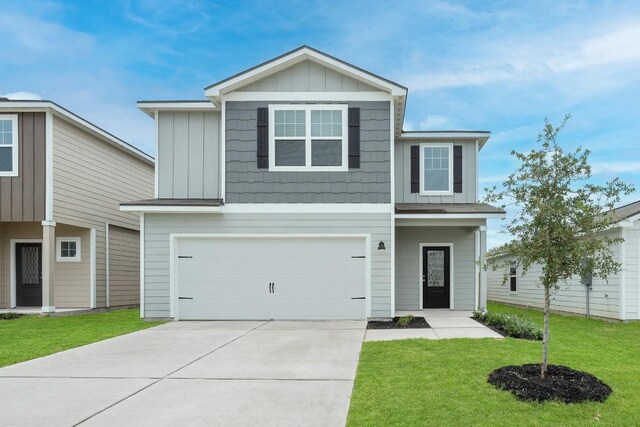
(500, 66)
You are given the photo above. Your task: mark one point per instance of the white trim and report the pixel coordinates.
(516, 277)
(106, 263)
(307, 96)
(623, 276)
(15, 145)
(307, 208)
(308, 138)
(392, 150)
(12, 267)
(439, 222)
(48, 308)
(295, 57)
(142, 265)
(173, 270)
(156, 176)
(151, 108)
(477, 250)
(449, 191)
(48, 155)
(171, 209)
(451, 275)
(77, 241)
(92, 267)
(52, 107)
(223, 150)
(447, 135)
(452, 216)
(477, 189)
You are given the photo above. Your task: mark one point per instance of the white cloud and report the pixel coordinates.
(492, 179)
(522, 59)
(616, 167)
(22, 96)
(437, 122)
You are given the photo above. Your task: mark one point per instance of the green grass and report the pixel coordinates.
(32, 336)
(424, 382)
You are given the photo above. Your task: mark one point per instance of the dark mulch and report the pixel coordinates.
(563, 384)
(415, 323)
(11, 316)
(501, 331)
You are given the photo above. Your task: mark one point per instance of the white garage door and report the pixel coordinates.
(271, 278)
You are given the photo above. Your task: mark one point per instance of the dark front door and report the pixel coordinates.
(29, 274)
(436, 283)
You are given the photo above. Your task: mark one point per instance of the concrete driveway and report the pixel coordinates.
(192, 373)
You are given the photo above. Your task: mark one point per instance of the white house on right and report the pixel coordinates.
(615, 298)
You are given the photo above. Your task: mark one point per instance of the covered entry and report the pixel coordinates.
(270, 277)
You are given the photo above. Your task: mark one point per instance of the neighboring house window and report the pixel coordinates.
(68, 249)
(436, 169)
(8, 145)
(308, 137)
(513, 280)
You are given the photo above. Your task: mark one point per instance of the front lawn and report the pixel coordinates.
(34, 336)
(425, 382)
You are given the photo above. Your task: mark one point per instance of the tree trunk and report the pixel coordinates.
(545, 336)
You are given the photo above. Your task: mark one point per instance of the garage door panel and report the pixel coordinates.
(314, 278)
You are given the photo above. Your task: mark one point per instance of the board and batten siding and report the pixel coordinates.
(188, 155)
(308, 76)
(124, 266)
(90, 180)
(403, 174)
(159, 226)
(408, 274)
(22, 197)
(245, 183)
(570, 297)
(632, 271)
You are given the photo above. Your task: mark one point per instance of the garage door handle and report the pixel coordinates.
(185, 297)
(358, 297)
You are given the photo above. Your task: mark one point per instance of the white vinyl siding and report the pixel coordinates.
(158, 227)
(9, 150)
(632, 272)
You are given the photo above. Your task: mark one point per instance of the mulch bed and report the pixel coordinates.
(501, 331)
(11, 316)
(415, 323)
(563, 384)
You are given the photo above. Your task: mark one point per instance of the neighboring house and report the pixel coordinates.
(292, 192)
(615, 298)
(64, 243)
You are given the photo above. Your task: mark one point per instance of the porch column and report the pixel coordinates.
(483, 271)
(48, 262)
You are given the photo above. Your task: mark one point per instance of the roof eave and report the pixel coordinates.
(152, 107)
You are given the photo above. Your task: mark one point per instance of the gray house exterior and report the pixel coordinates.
(292, 192)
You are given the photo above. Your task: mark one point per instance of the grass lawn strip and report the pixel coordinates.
(444, 382)
(30, 337)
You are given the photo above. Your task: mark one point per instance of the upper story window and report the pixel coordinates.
(8, 145)
(436, 166)
(308, 138)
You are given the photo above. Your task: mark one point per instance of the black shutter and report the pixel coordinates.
(354, 137)
(263, 138)
(457, 168)
(415, 168)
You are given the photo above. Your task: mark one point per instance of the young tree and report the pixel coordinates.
(560, 217)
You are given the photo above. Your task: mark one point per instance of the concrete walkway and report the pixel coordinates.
(192, 373)
(444, 324)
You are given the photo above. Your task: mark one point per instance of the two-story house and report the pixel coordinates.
(64, 243)
(292, 192)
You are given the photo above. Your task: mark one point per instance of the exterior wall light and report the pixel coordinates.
(381, 247)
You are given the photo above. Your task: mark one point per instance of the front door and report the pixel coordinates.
(29, 274)
(436, 283)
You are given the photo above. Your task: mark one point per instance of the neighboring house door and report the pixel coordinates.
(29, 274)
(436, 276)
(271, 278)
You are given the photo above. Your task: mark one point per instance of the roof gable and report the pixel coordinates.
(263, 74)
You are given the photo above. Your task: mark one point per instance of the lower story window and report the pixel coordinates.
(68, 249)
(513, 280)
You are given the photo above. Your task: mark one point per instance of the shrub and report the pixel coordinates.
(511, 325)
(11, 315)
(405, 320)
